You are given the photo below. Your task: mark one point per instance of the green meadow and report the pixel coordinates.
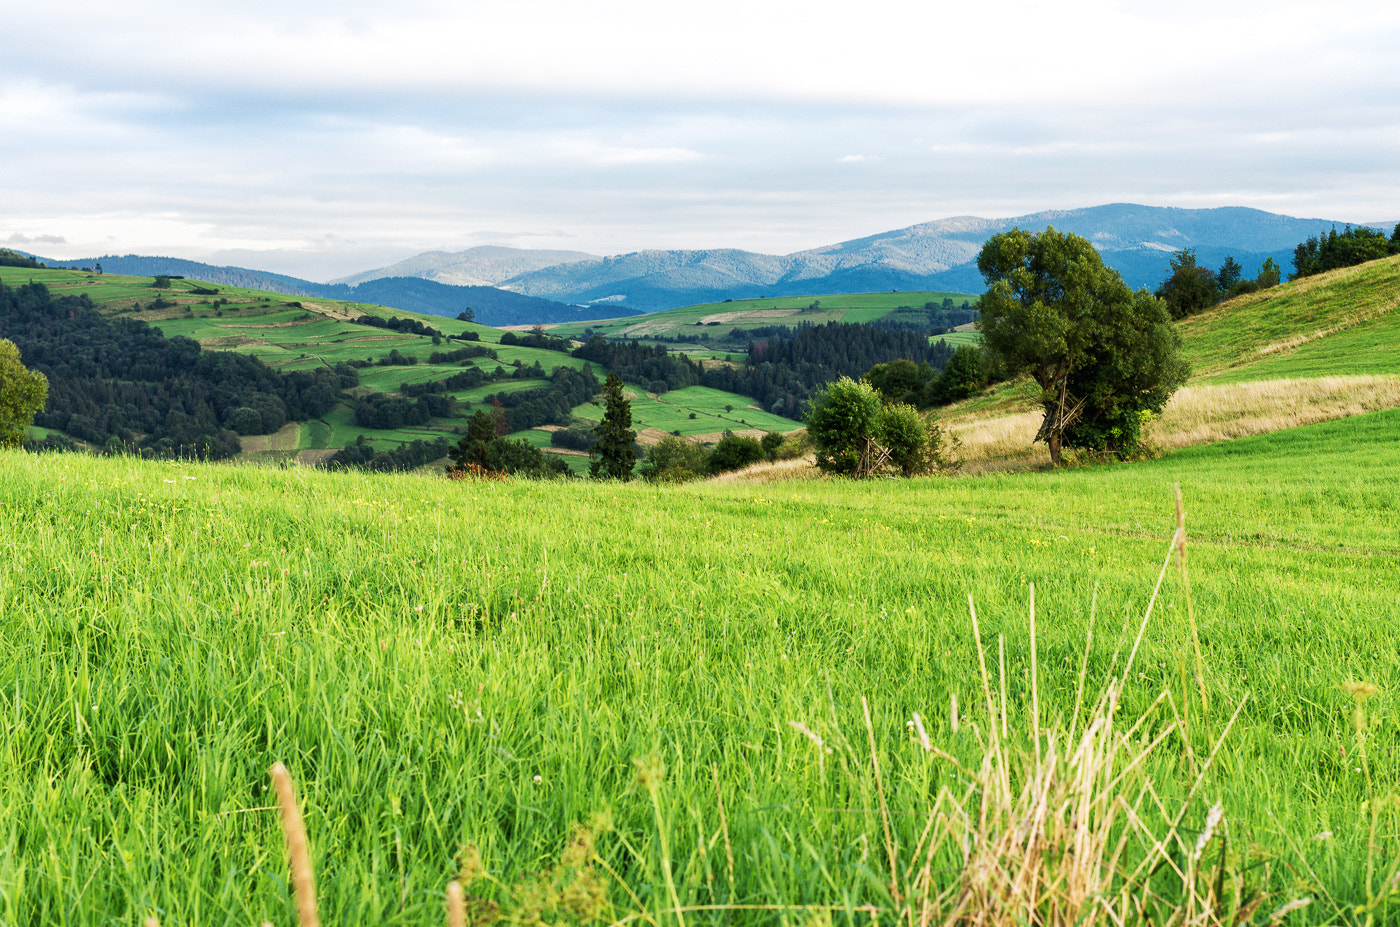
(673, 678)
(719, 319)
(1343, 321)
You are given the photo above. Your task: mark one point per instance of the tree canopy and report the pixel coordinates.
(1342, 249)
(1101, 354)
(22, 393)
(855, 434)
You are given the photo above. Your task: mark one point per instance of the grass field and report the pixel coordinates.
(445, 663)
(1342, 322)
(718, 319)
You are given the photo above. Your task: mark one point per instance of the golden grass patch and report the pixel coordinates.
(1195, 415)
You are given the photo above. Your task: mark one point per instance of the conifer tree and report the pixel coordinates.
(612, 456)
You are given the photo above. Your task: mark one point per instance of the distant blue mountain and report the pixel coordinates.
(556, 286)
(1137, 241)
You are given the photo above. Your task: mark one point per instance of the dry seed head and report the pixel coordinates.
(303, 883)
(1294, 905)
(807, 732)
(586, 895)
(469, 864)
(1359, 691)
(601, 822)
(650, 771)
(1217, 812)
(578, 852)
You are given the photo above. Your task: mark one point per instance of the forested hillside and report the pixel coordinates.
(118, 382)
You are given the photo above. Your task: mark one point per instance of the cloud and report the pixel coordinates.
(18, 238)
(627, 124)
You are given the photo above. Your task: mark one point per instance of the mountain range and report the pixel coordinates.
(512, 286)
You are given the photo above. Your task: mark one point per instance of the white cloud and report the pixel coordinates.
(626, 124)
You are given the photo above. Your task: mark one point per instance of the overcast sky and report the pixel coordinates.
(320, 138)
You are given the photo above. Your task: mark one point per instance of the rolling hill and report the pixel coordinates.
(305, 335)
(1307, 351)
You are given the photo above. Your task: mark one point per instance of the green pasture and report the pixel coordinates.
(343, 430)
(719, 319)
(1341, 322)
(959, 338)
(493, 663)
(671, 412)
(538, 437)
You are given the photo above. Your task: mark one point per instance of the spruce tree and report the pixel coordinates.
(612, 456)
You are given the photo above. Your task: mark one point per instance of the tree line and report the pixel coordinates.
(783, 373)
(1347, 248)
(1191, 288)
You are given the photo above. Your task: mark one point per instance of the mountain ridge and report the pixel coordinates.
(1136, 240)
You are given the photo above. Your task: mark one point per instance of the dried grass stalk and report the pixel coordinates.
(303, 884)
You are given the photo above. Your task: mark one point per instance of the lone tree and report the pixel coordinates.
(612, 456)
(1102, 355)
(22, 393)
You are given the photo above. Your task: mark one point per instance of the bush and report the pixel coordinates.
(841, 424)
(855, 435)
(735, 452)
(771, 441)
(674, 460)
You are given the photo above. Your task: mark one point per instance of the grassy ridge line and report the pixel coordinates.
(439, 663)
(1340, 322)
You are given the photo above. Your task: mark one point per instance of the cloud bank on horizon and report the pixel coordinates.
(321, 138)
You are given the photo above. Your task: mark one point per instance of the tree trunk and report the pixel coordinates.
(1052, 440)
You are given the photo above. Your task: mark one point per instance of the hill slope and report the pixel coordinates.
(1307, 351)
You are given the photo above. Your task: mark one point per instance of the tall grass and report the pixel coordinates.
(459, 671)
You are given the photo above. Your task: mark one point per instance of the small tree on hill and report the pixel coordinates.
(1190, 288)
(22, 394)
(855, 435)
(613, 457)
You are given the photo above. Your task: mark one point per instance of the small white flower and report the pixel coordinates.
(539, 779)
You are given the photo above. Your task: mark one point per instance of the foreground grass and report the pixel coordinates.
(445, 663)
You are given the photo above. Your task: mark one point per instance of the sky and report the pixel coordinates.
(319, 139)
